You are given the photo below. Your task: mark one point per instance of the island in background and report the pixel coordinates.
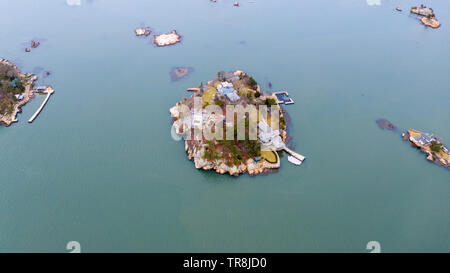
(430, 145)
(16, 89)
(428, 19)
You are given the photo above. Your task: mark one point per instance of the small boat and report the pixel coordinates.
(294, 160)
(398, 9)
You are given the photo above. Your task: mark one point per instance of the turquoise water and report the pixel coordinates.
(98, 165)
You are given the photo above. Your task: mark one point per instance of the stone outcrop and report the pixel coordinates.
(142, 31)
(167, 39)
(428, 18)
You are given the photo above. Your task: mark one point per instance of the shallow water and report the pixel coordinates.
(98, 165)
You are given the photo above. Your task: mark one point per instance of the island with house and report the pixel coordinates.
(431, 145)
(428, 17)
(264, 135)
(16, 90)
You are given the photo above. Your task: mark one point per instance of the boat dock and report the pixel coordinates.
(49, 91)
(282, 97)
(294, 154)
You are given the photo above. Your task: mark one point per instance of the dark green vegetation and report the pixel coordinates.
(11, 84)
(234, 152)
(270, 102)
(435, 146)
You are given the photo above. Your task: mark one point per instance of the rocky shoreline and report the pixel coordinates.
(430, 145)
(28, 94)
(178, 73)
(250, 166)
(167, 39)
(430, 22)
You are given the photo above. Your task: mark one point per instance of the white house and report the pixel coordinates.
(226, 89)
(269, 137)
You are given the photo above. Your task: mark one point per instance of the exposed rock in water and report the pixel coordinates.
(167, 39)
(428, 19)
(142, 31)
(430, 22)
(35, 44)
(180, 72)
(385, 124)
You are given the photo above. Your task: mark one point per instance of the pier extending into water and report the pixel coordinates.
(49, 91)
(193, 89)
(294, 154)
(283, 97)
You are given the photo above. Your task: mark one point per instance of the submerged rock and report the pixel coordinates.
(430, 145)
(180, 72)
(385, 124)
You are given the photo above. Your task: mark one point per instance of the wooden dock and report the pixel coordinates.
(285, 93)
(49, 92)
(294, 154)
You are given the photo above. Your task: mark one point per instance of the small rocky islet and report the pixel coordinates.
(16, 89)
(160, 40)
(178, 73)
(33, 44)
(167, 39)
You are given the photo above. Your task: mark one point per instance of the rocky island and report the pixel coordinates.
(430, 145)
(227, 128)
(16, 89)
(428, 17)
(167, 39)
(34, 44)
(142, 31)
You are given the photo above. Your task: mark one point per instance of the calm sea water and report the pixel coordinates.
(98, 165)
